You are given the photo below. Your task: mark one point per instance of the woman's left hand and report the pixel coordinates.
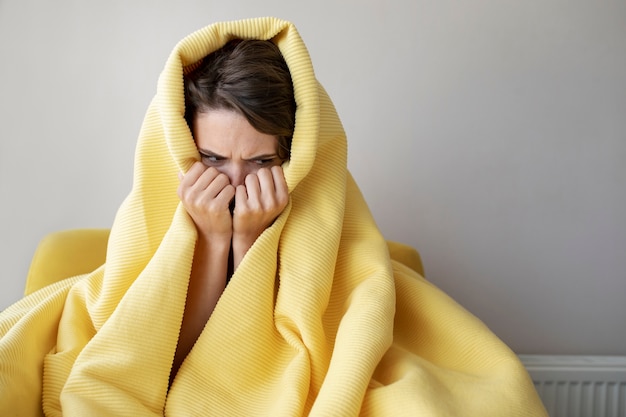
(257, 204)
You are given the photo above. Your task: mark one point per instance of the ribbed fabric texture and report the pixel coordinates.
(317, 320)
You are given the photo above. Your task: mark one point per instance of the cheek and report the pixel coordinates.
(252, 169)
(222, 168)
(249, 169)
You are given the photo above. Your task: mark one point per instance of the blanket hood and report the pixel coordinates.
(306, 90)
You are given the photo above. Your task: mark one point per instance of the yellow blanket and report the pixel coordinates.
(317, 320)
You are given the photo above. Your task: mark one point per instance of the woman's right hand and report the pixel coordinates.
(206, 194)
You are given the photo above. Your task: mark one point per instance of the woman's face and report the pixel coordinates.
(229, 143)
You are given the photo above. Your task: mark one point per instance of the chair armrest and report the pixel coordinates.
(64, 254)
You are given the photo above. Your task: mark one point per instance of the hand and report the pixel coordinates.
(258, 203)
(206, 194)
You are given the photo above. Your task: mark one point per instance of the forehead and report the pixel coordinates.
(226, 131)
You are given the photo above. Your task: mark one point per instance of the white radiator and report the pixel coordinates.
(579, 386)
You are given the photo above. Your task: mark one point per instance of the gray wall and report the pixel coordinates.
(488, 134)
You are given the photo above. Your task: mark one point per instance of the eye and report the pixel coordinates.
(264, 161)
(211, 159)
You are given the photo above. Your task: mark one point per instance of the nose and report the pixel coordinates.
(235, 173)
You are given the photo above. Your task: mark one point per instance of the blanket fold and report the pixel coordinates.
(317, 320)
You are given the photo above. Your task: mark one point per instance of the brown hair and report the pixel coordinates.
(250, 77)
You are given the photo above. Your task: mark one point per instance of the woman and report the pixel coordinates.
(243, 137)
(314, 316)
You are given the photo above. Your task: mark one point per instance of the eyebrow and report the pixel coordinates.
(205, 152)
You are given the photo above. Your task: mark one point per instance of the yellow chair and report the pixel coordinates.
(73, 252)
(64, 254)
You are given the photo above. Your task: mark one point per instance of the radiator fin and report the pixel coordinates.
(583, 399)
(579, 386)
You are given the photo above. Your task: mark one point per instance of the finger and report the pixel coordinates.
(253, 188)
(212, 182)
(201, 183)
(187, 180)
(266, 182)
(241, 198)
(225, 196)
(191, 176)
(280, 183)
(281, 191)
(211, 177)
